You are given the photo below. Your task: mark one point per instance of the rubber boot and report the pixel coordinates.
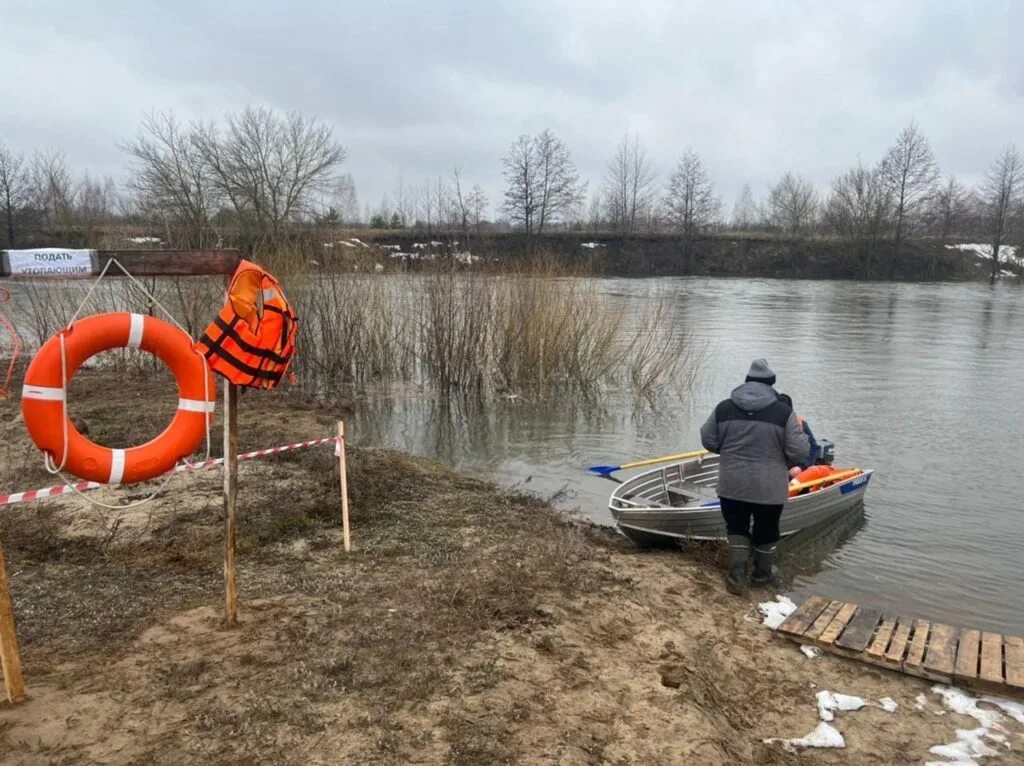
(765, 570)
(739, 556)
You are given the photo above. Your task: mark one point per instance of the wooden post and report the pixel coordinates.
(230, 496)
(344, 486)
(10, 657)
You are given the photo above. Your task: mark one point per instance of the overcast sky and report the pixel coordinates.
(416, 88)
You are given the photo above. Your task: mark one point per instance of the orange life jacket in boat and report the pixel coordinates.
(252, 339)
(810, 474)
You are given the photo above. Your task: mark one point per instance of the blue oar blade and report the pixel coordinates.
(604, 470)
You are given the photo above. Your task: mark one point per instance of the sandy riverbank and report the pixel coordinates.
(470, 625)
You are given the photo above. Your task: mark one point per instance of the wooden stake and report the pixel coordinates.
(10, 657)
(344, 486)
(230, 497)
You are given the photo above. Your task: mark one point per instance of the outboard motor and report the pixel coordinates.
(826, 452)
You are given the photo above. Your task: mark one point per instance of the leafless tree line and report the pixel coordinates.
(259, 174)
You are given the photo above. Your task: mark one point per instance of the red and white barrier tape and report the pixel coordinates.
(83, 486)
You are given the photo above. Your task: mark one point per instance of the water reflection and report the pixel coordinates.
(916, 381)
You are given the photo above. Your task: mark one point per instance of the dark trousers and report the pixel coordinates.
(737, 514)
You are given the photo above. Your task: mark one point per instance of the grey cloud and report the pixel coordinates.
(417, 88)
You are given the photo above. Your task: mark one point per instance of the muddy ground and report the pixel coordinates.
(470, 625)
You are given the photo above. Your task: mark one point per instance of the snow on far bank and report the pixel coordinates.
(591, 245)
(145, 240)
(775, 612)
(1006, 252)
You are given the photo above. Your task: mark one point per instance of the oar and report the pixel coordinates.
(840, 476)
(605, 470)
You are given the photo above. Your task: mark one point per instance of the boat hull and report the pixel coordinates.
(678, 501)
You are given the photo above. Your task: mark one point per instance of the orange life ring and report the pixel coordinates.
(44, 398)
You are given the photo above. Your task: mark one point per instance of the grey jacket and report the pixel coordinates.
(759, 438)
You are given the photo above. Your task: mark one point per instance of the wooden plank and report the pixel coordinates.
(859, 631)
(10, 656)
(967, 653)
(806, 613)
(898, 645)
(918, 644)
(991, 659)
(1014, 648)
(836, 627)
(881, 642)
(155, 263)
(823, 621)
(230, 499)
(941, 656)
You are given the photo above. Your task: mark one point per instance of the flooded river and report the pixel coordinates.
(923, 382)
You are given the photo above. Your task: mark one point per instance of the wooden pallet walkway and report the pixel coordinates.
(975, 659)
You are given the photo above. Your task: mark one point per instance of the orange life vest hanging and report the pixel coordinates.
(252, 339)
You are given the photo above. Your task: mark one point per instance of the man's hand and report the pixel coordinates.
(794, 471)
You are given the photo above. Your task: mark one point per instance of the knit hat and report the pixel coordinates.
(760, 372)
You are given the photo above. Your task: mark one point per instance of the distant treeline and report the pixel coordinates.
(261, 179)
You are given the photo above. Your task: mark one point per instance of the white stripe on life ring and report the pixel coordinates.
(135, 332)
(43, 392)
(116, 466)
(196, 405)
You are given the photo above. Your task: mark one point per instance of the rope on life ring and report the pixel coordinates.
(44, 398)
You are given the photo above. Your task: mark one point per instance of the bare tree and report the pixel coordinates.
(542, 181)
(476, 203)
(270, 165)
(856, 210)
(1001, 196)
(172, 179)
(522, 176)
(950, 208)
(51, 189)
(403, 202)
(910, 172)
(344, 198)
(560, 188)
(690, 203)
(629, 185)
(744, 212)
(14, 189)
(792, 205)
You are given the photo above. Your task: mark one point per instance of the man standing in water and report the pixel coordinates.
(758, 438)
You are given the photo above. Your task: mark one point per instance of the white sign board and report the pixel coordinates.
(49, 262)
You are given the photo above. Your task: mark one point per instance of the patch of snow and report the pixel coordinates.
(921, 701)
(467, 258)
(419, 245)
(591, 245)
(888, 704)
(969, 745)
(328, 245)
(345, 243)
(145, 240)
(812, 652)
(1013, 709)
(378, 267)
(964, 704)
(391, 247)
(829, 702)
(824, 735)
(434, 243)
(359, 242)
(775, 612)
(1007, 273)
(1007, 252)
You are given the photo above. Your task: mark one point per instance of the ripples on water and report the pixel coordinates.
(924, 383)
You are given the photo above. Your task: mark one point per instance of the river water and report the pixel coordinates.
(922, 382)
